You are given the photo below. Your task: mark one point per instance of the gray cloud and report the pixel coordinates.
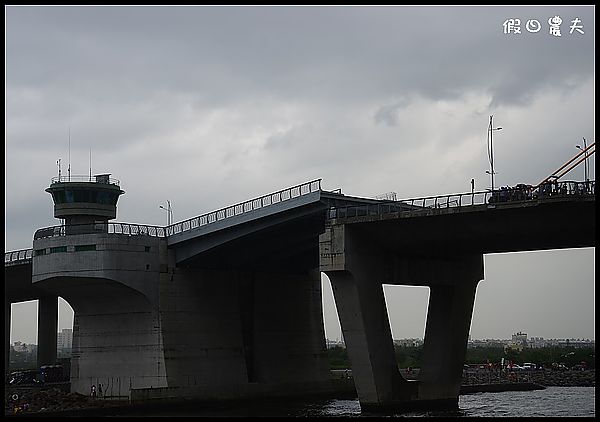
(388, 114)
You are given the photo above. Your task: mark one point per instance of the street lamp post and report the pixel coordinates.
(585, 162)
(491, 130)
(169, 211)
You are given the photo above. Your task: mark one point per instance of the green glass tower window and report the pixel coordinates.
(69, 196)
(79, 248)
(59, 197)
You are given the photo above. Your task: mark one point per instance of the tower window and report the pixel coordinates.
(85, 248)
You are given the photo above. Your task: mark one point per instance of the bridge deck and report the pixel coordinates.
(341, 208)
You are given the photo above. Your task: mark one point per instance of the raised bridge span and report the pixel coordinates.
(265, 255)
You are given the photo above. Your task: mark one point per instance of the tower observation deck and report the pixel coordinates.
(84, 202)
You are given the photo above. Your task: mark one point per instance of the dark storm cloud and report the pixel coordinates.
(388, 114)
(354, 53)
(129, 72)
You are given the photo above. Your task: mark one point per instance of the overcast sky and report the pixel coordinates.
(210, 106)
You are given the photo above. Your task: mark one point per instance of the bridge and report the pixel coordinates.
(228, 304)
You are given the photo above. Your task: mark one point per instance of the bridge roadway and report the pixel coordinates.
(361, 243)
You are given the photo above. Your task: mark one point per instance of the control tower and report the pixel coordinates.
(85, 203)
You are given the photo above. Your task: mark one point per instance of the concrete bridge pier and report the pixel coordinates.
(366, 329)
(7, 315)
(358, 266)
(446, 334)
(116, 333)
(235, 333)
(47, 330)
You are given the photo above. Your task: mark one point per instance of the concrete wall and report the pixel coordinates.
(289, 337)
(201, 325)
(132, 261)
(324, 388)
(234, 328)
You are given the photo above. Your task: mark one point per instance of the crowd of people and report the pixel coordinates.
(522, 192)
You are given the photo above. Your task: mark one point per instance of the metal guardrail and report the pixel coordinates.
(130, 229)
(244, 207)
(16, 257)
(88, 179)
(463, 201)
(202, 220)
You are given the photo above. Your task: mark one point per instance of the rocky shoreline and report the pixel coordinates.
(547, 378)
(51, 399)
(55, 399)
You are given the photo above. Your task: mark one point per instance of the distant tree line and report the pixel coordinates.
(407, 356)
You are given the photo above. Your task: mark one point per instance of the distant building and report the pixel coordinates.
(520, 338)
(537, 342)
(409, 342)
(64, 341)
(498, 343)
(575, 342)
(517, 342)
(334, 343)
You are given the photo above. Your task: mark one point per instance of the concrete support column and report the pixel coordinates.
(363, 316)
(446, 335)
(47, 330)
(7, 314)
(357, 267)
(288, 336)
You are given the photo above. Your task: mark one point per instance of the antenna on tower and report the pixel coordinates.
(58, 164)
(69, 167)
(90, 164)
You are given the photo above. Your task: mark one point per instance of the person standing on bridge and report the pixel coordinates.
(93, 393)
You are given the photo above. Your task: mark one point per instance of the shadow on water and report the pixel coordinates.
(282, 407)
(554, 401)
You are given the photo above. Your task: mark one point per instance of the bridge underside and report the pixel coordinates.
(17, 283)
(558, 225)
(286, 244)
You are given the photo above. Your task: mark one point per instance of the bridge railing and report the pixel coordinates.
(408, 207)
(465, 201)
(99, 178)
(133, 229)
(15, 257)
(244, 207)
